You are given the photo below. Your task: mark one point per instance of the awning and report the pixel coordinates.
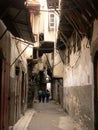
(77, 16)
(76, 22)
(46, 46)
(17, 19)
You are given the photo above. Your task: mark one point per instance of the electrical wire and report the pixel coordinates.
(75, 61)
(57, 63)
(19, 56)
(55, 55)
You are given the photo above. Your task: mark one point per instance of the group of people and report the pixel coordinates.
(43, 95)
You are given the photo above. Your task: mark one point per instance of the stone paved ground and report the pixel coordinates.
(50, 116)
(24, 121)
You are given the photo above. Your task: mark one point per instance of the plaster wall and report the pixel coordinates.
(36, 24)
(28, 52)
(58, 68)
(78, 104)
(11, 49)
(58, 91)
(55, 90)
(78, 87)
(50, 57)
(14, 54)
(16, 49)
(79, 72)
(16, 81)
(43, 22)
(50, 35)
(41, 26)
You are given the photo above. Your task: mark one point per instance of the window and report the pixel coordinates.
(51, 21)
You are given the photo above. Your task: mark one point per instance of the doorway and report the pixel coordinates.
(4, 95)
(22, 94)
(96, 90)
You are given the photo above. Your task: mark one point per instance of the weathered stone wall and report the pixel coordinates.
(11, 50)
(55, 90)
(18, 102)
(12, 102)
(58, 91)
(79, 82)
(58, 69)
(78, 87)
(78, 104)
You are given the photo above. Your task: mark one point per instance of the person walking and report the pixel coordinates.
(40, 95)
(43, 96)
(47, 95)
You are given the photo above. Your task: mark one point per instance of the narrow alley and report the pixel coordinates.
(49, 52)
(48, 116)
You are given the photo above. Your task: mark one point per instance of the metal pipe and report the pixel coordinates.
(30, 43)
(19, 55)
(3, 34)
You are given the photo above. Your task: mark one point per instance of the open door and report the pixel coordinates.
(96, 90)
